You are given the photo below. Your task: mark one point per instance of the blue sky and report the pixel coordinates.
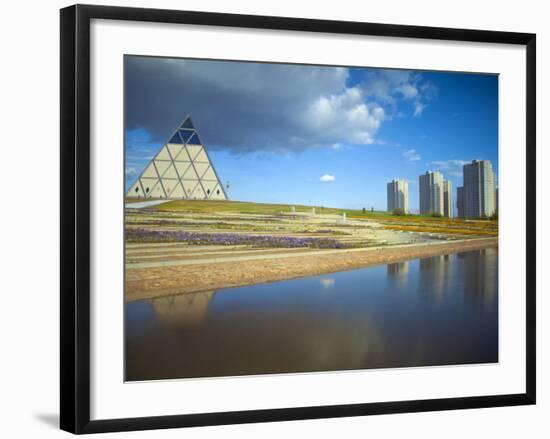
(328, 136)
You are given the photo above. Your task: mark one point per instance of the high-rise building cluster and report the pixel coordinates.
(436, 195)
(398, 195)
(478, 197)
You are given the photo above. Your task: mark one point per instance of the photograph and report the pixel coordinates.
(295, 218)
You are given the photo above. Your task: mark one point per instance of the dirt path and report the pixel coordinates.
(142, 204)
(215, 273)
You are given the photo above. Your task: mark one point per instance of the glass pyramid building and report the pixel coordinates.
(180, 170)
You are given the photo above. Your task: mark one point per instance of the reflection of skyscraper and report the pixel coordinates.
(398, 195)
(398, 268)
(480, 286)
(435, 276)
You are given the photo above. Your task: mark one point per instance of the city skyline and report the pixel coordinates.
(476, 197)
(329, 136)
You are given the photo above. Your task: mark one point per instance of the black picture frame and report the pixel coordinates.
(75, 217)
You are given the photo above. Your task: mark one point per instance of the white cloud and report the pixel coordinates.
(451, 167)
(411, 154)
(327, 178)
(418, 108)
(130, 171)
(343, 117)
(389, 86)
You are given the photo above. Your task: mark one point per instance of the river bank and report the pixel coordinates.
(146, 282)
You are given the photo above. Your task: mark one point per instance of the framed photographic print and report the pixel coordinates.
(269, 218)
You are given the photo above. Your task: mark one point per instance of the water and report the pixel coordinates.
(435, 311)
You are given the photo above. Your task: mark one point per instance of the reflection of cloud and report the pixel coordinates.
(327, 282)
(327, 178)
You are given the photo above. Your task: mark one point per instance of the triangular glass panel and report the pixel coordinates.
(169, 185)
(198, 193)
(209, 186)
(170, 172)
(190, 174)
(177, 192)
(194, 140)
(158, 191)
(209, 175)
(182, 167)
(193, 151)
(174, 150)
(183, 156)
(200, 168)
(163, 154)
(217, 193)
(187, 124)
(175, 138)
(201, 157)
(189, 185)
(186, 134)
(161, 166)
(150, 171)
(148, 184)
(135, 190)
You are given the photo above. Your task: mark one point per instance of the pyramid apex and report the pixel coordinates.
(188, 123)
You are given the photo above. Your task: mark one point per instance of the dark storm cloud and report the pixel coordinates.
(261, 107)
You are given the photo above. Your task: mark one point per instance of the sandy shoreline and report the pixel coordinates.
(147, 283)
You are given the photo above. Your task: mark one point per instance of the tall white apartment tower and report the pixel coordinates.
(479, 189)
(398, 195)
(431, 193)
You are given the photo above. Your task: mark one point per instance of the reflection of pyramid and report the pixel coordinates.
(181, 169)
(190, 308)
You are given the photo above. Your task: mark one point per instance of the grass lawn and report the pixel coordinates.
(403, 223)
(211, 206)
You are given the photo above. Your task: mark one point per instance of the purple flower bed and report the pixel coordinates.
(142, 235)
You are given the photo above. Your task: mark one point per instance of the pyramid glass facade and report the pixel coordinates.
(180, 170)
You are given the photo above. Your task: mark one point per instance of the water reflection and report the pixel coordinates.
(185, 309)
(434, 311)
(327, 282)
(435, 276)
(398, 269)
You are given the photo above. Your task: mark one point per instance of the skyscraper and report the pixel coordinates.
(479, 189)
(398, 195)
(431, 194)
(447, 199)
(460, 201)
